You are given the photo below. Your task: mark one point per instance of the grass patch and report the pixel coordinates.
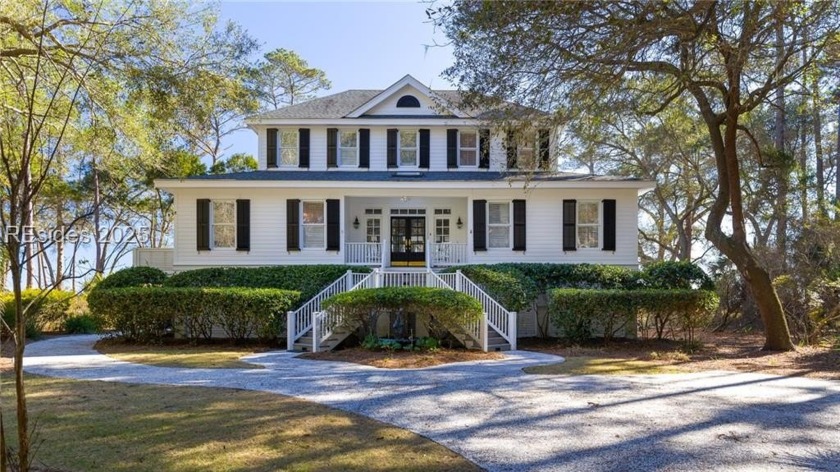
(180, 355)
(87, 425)
(601, 366)
(403, 359)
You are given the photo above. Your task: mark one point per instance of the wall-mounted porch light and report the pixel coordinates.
(356, 223)
(459, 223)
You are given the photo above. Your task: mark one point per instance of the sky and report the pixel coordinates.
(360, 45)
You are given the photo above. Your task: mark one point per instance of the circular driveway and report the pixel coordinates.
(502, 419)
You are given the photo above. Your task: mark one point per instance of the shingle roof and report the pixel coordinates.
(391, 176)
(340, 104)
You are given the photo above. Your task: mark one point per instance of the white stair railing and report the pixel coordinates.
(299, 322)
(498, 318)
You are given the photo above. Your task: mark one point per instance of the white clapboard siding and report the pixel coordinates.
(268, 223)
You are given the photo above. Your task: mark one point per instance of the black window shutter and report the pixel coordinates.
(271, 147)
(452, 148)
(243, 225)
(569, 225)
(202, 224)
(519, 225)
(293, 225)
(303, 147)
(392, 148)
(332, 147)
(545, 146)
(364, 148)
(424, 149)
(333, 225)
(484, 144)
(609, 225)
(479, 225)
(510, 144)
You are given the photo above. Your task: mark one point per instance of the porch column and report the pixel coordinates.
(469, 229)
(342, 247)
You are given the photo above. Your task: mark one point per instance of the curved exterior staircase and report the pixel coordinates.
(311, 329)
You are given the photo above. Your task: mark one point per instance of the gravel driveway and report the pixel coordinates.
(503, 419)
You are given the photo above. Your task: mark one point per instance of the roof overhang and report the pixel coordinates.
(172, 184)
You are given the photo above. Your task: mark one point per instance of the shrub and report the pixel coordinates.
(44, 309)
(549, 276)
(676, 275)
(150, 313)
(440, 308)
(306, 279)
(82, 324)
(133, 277)
(582, 313)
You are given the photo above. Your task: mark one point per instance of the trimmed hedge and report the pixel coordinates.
(49, 309)
(151, 313)
(582, 313)
(133, 277)
(308, 280)
(443, 309)
(676, 275)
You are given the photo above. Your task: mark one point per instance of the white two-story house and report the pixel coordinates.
(399, 178)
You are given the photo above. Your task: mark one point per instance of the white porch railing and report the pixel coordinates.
(363, 253)
(448, 254)
(299, 322)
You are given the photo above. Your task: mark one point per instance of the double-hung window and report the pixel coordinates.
(224, 224)
(408, 148)
(288, 147)
(468, 148)
(314, 224)
(348, 148)
(498, 224)
(588, 224)
(527, 153)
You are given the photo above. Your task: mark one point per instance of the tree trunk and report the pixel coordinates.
(837, 166)
(818, 150)
(803, 174)
(782, 174)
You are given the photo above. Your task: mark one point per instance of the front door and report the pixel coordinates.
(408, 241)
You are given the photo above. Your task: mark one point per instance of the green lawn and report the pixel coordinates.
(88, 425)
(179, 355)
(601, 366)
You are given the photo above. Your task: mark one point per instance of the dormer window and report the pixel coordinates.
(408, 101)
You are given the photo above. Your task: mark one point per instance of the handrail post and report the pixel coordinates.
(377, 278)
(315, 331)
(458, 281)
(348, 280)
(484, 338)
(384, 252)
(512, 329)
(290, 330)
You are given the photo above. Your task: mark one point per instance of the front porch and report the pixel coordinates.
(406, 231)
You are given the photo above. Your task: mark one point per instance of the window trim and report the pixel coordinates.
(303, 246)
(599, 226)
(280, 147)
(416, 164)
(338, 147)
(213, 224)
(509, 224)
(477, 148)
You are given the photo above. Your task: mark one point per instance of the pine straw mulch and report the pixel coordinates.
(718, 351)
(402, 359)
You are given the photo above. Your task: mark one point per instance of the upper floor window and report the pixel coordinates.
(223, 220)
(468, 148)
(588, 224)
(408, 148)
(498, 224)
(408, 101)
(288, 147)
(527, 153)
(348, 148)
(314, 224)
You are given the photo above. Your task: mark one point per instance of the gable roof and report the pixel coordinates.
(354, 103)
